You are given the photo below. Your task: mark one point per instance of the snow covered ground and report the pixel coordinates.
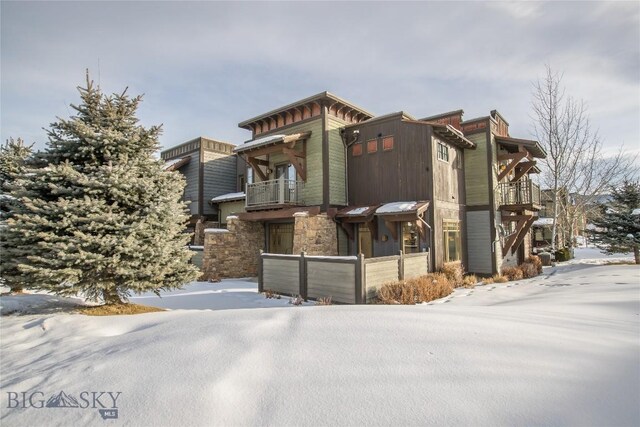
(559, 349)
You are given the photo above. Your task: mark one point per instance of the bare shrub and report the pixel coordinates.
(297, 300)
(469, 281)
(269, 294)
(512, 273)
(454, 272)
(324, 301)
(536, 261)
(419, 289)
(498, 278)
(528, 270)
(488, 280)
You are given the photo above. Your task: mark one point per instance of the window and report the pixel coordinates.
(387, 143)
(372, 146)
(443, 152)
(356, 149)
(451, 240)
(410, 238)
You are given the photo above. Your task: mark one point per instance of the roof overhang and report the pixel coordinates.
(356, 213)
(253, 146)
(452, 135)
(229, 197)
(176, 164)
(402, 211)
(514, 145)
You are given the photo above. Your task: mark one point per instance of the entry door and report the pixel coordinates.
(365, 241)
(280, 238)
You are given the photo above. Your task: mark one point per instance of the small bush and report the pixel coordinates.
(454, 272)
(323, 301)
(469, 281)
(296, 301)
(528, 270)
(269, 294)
(487, 280)
(512, 273)
(498, 278)
(563, 254)
(536, 261)
(417, 290)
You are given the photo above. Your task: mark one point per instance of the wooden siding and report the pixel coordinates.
(282, 275)
(312, 193)
(219, 177)
(479, 245)
(379, 271)
(337, 162)
(191, 172)
(336, 280)
(415, 266)
(476, 173)
(402, 173)
(343, 242)
(448, 177)
(229, 208)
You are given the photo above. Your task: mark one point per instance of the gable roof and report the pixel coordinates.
(321, 97)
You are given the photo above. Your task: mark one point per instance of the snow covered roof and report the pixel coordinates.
(229, 197)
(176, 164)
(353, 213)
(216, 230)
(541, 222)
(402, 207)
(271, 139)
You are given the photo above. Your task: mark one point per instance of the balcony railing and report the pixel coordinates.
(523, 192)
(275, 192)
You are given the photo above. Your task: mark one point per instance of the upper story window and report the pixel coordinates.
(372, 146)
(387, 143)
(443, 152)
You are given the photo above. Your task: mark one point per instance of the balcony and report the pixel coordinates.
(519, 195)
(274, 193)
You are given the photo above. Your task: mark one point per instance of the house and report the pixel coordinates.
(209, 168)
(405, 188)
(502, 200)
(325, 177)
(296, 169)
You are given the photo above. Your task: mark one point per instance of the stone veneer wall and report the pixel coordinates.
(233, 252)
(198, 238)
(315, 235)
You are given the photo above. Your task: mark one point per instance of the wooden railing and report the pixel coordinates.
(523, 192)
(275, 192)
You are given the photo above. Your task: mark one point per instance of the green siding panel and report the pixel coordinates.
(337, 163)
(476, 173)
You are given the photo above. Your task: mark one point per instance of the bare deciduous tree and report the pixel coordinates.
(576, 169)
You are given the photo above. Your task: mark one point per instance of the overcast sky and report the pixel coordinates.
(206, 66)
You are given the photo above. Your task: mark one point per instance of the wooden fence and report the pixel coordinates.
(350, 280)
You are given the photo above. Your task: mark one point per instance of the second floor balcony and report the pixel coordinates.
(275, 193)
(518, 195)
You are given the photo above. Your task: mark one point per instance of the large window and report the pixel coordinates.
(443, 152)
(452, 245)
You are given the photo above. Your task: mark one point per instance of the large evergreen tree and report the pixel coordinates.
(618, 226)
(14, 155)
(101, 217)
